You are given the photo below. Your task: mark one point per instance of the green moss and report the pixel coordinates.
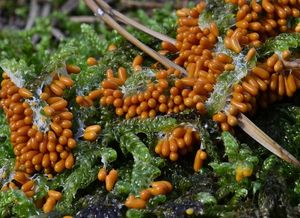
(128, 145)
(144, 169)
(15, 203)
(6, 148)
(283, 41)
(219, 12)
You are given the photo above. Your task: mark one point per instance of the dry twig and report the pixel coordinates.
(69, 6)
(83, 19)
(151, 4)
(46, 9)
(34, 7)
(57, 34)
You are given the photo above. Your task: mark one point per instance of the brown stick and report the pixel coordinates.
(46, 9)
(32, 14)
(57, 34)
(124, 19)
(139, 4)
(69, 6)
(83, 19)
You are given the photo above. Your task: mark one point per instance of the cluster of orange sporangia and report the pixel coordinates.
(163, 96)
(157, 188)
(157, 98)
(283, 80)
(59, 140)
(109, 179)
(195, 44)
(242, 172)
(52, 198)
(86, 101)
(266, 83)
(200, 157)
(180, 141)
(34, 149)
(256, 22)
(110, 94)
(91, 132)
(22, 181)
(20, 120)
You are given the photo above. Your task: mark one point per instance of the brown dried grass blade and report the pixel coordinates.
(113, 24)
(262, 138)
(126, 20)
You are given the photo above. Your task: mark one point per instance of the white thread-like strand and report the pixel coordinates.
(100, 12)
